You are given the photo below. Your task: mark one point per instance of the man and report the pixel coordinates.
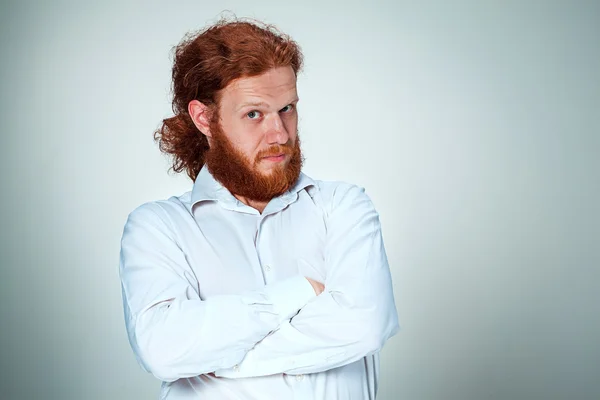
(259, 283)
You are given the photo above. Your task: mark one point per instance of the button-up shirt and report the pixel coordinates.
(217, 304)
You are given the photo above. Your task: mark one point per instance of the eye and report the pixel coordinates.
(287, 108)
(253, 114)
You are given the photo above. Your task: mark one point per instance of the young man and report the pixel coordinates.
(259, 283)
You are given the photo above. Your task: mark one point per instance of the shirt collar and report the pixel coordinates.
(206, 187)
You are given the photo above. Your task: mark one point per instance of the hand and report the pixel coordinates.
(318, 286)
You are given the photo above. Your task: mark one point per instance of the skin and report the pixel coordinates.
(255, 114)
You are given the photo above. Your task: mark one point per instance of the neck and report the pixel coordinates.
(257, 205)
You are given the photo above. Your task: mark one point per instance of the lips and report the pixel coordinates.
(275, 159)
(275, 154)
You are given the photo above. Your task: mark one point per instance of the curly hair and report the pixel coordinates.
(205, 63)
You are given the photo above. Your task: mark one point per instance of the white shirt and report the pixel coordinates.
(217, 305)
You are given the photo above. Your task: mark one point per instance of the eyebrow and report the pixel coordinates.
(253, 104)
(261, 104)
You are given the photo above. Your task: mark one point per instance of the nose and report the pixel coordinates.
(276, 131)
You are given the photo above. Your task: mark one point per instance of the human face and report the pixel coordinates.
(237, 158)
(258, 114)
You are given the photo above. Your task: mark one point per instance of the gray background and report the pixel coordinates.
(474, 126)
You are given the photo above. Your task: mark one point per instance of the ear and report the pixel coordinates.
(200, 115)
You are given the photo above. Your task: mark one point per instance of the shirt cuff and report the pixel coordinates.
(289, 295)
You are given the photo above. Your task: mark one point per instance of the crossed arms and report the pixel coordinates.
(283, 328)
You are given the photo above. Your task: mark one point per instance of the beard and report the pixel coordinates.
(241, 176)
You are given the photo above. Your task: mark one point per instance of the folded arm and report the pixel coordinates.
(174, 333)
(355, 314)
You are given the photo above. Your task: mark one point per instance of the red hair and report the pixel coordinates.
(204, 64)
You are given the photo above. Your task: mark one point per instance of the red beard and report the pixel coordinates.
(241, 177)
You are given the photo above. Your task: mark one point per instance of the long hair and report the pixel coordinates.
(204, 64)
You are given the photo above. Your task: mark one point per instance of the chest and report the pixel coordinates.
(232, 252)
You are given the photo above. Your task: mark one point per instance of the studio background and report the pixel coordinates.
(473, 125)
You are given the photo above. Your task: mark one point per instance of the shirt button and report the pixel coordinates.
(299, 377)
(267, 268)
(236, 368)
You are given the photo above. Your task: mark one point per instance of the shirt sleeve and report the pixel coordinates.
(352, 318)
(175, 334)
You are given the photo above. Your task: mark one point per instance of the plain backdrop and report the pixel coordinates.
(473, 125)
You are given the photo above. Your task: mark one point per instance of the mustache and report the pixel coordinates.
(275, 150)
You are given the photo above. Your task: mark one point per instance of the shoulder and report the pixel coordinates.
(347, 206)
(161, 213)
(338, 195)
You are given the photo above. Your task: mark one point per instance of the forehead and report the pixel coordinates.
(274, 86)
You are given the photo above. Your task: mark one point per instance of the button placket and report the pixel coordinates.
(257, 245)
(266, 266)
